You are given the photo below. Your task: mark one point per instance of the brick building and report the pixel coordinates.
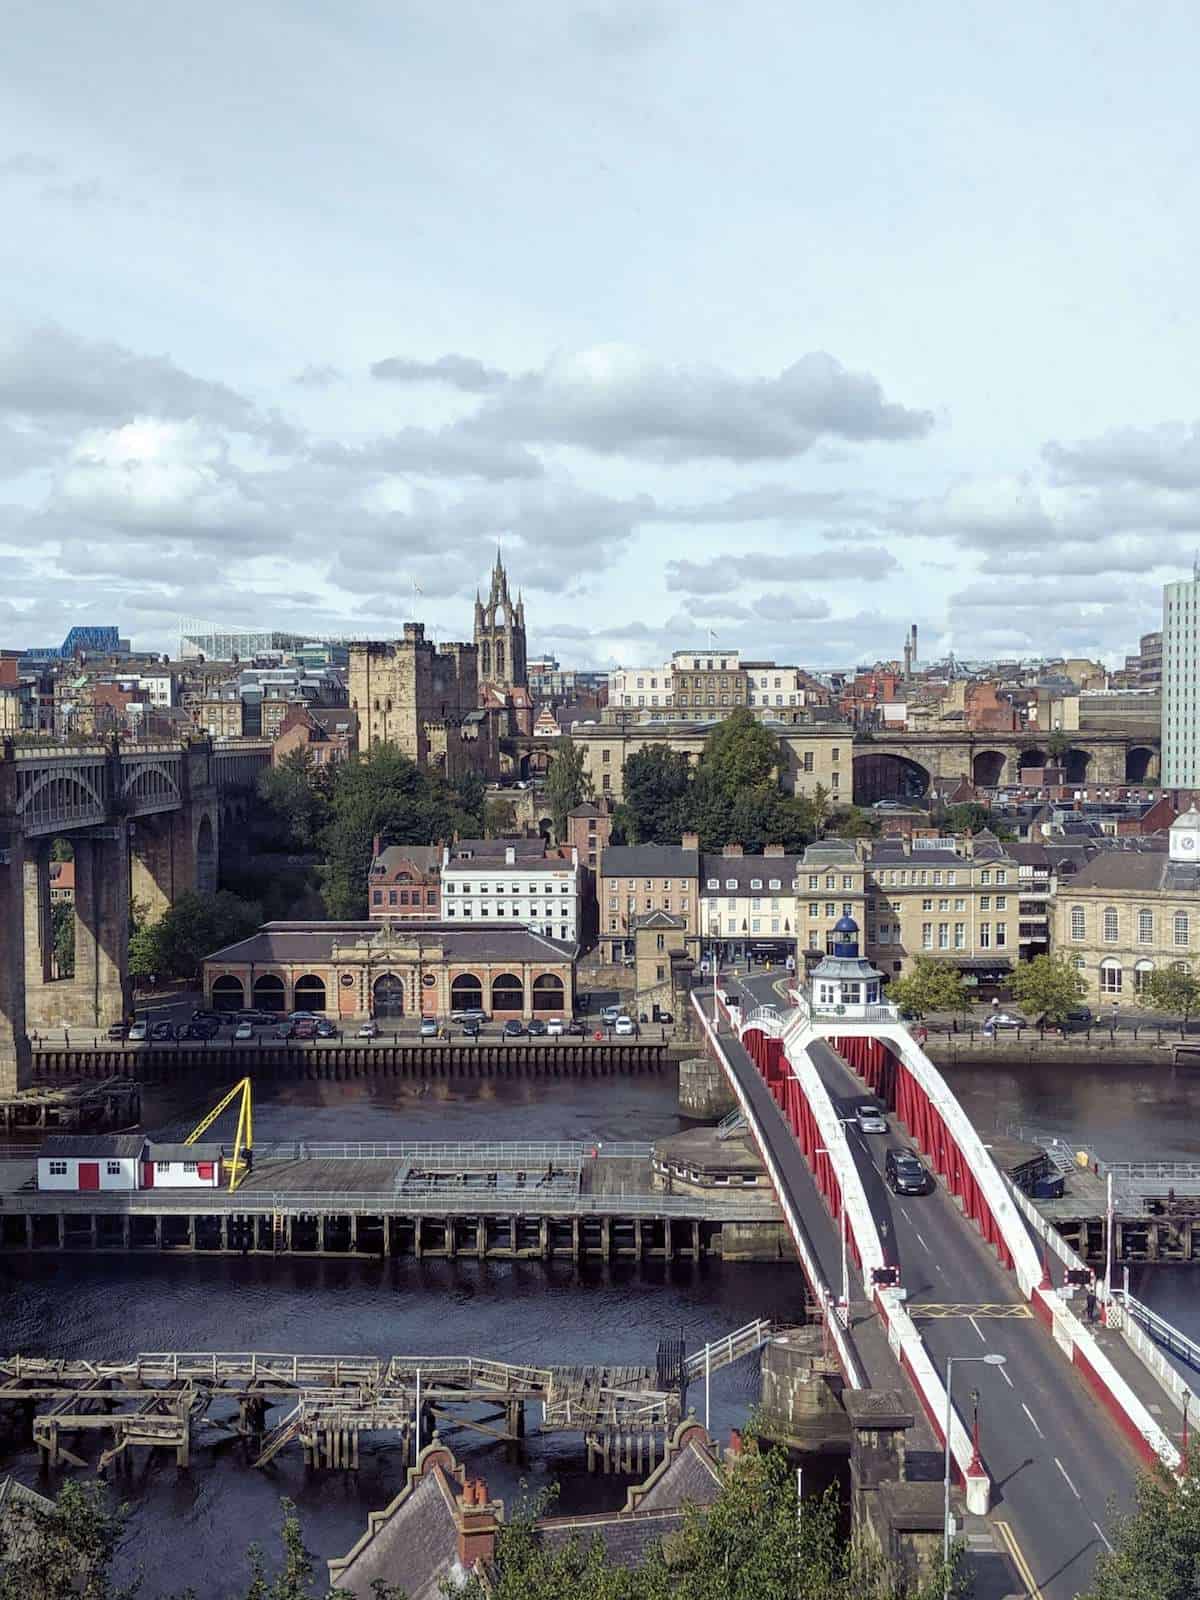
(405, 883)
(638, 879)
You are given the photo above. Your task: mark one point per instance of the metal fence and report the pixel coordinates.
(1161, 1331)
(454, 1156)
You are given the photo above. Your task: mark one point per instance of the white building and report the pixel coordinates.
(181, 1166)
(543, 894)
(641, 686)
(770, 687)
(86, 1162)
(1181, 684)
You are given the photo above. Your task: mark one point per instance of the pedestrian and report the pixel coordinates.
(1091, 1305)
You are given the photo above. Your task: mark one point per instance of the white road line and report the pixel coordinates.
(1070, 1485)
(921, 1237)
(1100, 1531)
(1005, 1376)
(978, 1329)
(1032, 1419)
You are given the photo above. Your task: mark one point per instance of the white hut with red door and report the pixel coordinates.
(181, 1166)
(87, 1163)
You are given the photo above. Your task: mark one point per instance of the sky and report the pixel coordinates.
(776, 324)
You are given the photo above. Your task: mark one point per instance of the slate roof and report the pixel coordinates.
(745, 868)
(1136, 869)
(183, 1152)
(413, 1544)
(528, 849)
(425, 857)
(649, 861)
(109, 1146)
(313, 941)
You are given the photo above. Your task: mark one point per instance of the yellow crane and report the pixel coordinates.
(244, 1139)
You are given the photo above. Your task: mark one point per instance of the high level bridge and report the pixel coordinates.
(144, 820)
(952, 1274)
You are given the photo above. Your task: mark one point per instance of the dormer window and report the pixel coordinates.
(731, 883)
(713, 883)
(774, 883)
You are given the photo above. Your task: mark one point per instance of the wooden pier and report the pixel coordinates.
(110, 1102)
(325, 1404)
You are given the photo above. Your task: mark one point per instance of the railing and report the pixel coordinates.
(457, 1156)
(856, 1013)
(1160, 1330)
(724, 1352)
(731, 1124)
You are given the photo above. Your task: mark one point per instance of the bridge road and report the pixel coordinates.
(1057, 1462)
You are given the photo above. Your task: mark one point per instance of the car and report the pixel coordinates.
(577, 1030)
(139, 1031)
(118, 1030)
(624, 1027)
(244, 1030)
(537, 1029)
(469, 1014)
(905, 1173)
(205, 1028)
(609, 1013)
(368, 1030)
(1000, 1020)
(429, 1028)
(326, 1029)
(666, 1016)
(471, 1027)
(555, 1028)
(285, 1030)
(304, 1028)
(303, 1016)
(513, 1029)
(1078, 1017)
(203, 1015)
(162, 1033)
(869, 1115)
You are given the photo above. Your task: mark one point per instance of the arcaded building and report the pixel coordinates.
(349, 971)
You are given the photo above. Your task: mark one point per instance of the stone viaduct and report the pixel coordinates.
(144, 823)
(895, 766)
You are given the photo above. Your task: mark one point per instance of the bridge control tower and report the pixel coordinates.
(845, 982)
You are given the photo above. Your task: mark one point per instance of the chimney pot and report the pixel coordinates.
(732, 850)
(690, 841)
(510, 855)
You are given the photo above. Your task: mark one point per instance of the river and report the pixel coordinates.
(193, 1527)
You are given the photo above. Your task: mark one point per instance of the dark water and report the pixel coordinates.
(193, 1527)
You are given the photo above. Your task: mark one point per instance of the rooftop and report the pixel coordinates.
(314, 941)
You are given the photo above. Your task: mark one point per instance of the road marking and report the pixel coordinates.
(1070, 1485)
(1101, 1532)
(978, 1329)
(1009, 1539)
(1005, 1376)
(920, 1236)
(1033, 1419)
(1006, 1309)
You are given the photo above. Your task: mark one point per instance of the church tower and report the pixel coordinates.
(500, 635)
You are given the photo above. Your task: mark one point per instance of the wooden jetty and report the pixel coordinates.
(110, 1102)
(325, 1404)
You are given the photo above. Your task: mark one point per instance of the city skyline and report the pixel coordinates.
(774, 353)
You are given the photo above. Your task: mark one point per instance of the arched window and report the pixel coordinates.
(1141, 976)
(1110, 976)
(1111, 924)
(1078, 923)
(309, 993)
(1182, 928)
(1145, 926)
(228, 994)
(466, 993)
(508, 993)
(387, 996)
(268, 992)
(548, 993)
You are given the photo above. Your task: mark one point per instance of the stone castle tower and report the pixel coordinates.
(500, 635)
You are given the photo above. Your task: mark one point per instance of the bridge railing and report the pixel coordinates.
(458, 1156)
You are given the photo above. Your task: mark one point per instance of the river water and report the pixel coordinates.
(193, 1527)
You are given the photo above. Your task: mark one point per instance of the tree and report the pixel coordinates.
(1048, 985)
(854, 823)
(1174, 989)
(296, 792)
(499, 817)
(969, 817)
(62, 923)
(62, 1553)
(195, 926)
(1156, 1548)
(930, 986)
(742, 753)
(1057, 744)
(657, 785)
(567, 784)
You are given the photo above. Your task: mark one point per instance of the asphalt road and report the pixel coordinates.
(1058, 1464)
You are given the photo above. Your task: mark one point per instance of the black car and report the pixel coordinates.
(471, 1028)
(514, 1029)
(905, 1173)
(205, 1028)
(537, 1029)
(208, 1016)
(118, 1030)
(326, 1029)
(577, 1030)
(162, 1033)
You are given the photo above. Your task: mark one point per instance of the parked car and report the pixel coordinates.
(666, 1016)
(577, 1030)
(610, 1013)
(244, 1030)
(203, 1015)
(623, 1027)
(205, 1028)
(304, 1016)
(555, 1027)
(285, 1030)
(513, 1029)
(537, 1029)
(139, 1031)
(304, 1028)
(368, 1030)
(162, 1033)
(118, 1030)
(1077, 1018)
(470, 1014)
(870, 1117)
(1001, 1020)
(326, 1029)
(471, 1027)
(905, 1173)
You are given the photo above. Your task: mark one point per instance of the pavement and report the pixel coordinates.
(1058, 1465)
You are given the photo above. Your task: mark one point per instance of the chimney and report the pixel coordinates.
(691, 841)
(773, 850)
(376, 846)
(477, 1524)
(732, 850)
(510, 855)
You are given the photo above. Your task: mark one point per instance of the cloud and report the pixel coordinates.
(612, 400)
(1163, 457)
(27, 164)
(871, 563)
(766, 503)
(431, 452)
(787, 608)
(319, 376)
(458, 372)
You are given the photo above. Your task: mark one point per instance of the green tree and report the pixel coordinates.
(969, 817)
(854, 823)
(499, 817)
(1156, 1548)
(1057, 744)
(657, 781)
(567, 783)
(470, 795)
(1174, 989)
(195, 926)
(296, 792)
(62, 925)
(65, 1552)
(1048, 986)
(930, 986)
(741, 753)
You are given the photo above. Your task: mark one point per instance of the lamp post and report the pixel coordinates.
(1187, 1400)
(1108, 1247)
(822, 1151)
(992, 1359)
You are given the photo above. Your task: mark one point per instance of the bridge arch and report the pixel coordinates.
(987, 768)
(206, 856)
(1032, 758)
(1141, 762)
(884, 775)
(1075, 763)
(150, 783)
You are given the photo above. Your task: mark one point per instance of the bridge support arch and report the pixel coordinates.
(15, 1064)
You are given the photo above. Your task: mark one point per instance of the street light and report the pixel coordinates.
(822, 1151)
(992, 1359)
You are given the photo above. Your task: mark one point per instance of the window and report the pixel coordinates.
(162, 1166)
(756, 883)
(1078, 923)
(1001, 934)
(985, 876)
(960, 936)
(1001, 902)
(927, 936)
(830, 909)
(1141, 976)
(1145, 927)
(58, 1169)
(731, 883)
(1111, 925)
(959, 903)
(943, 936)
(774, 883)
(985, 935)
(1110, 976)
(943, 904)
(713, 883)
(1001, 875)
(814, 909)
(985, 902)
(926, 905)
(1180, 929)
(113, 1169)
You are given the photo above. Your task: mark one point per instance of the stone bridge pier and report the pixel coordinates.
(14, 1043)
(99, 993)
(173, 852)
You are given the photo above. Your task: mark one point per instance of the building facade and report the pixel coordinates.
(748, 903)
(349, 971)
(1181, 684)
(404, 883)
(638, 879)
(543, 894)
(399, 688)
(818, 755)
(1128, 913)
(830, 883)
(500, 635)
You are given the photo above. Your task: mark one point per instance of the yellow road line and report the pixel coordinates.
(1007, 1309)
(1009, 1539)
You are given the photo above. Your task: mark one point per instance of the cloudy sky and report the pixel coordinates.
(793, 322)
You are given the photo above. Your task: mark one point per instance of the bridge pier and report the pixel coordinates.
(15, 1065)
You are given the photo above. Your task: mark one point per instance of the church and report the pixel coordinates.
(500, 654)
